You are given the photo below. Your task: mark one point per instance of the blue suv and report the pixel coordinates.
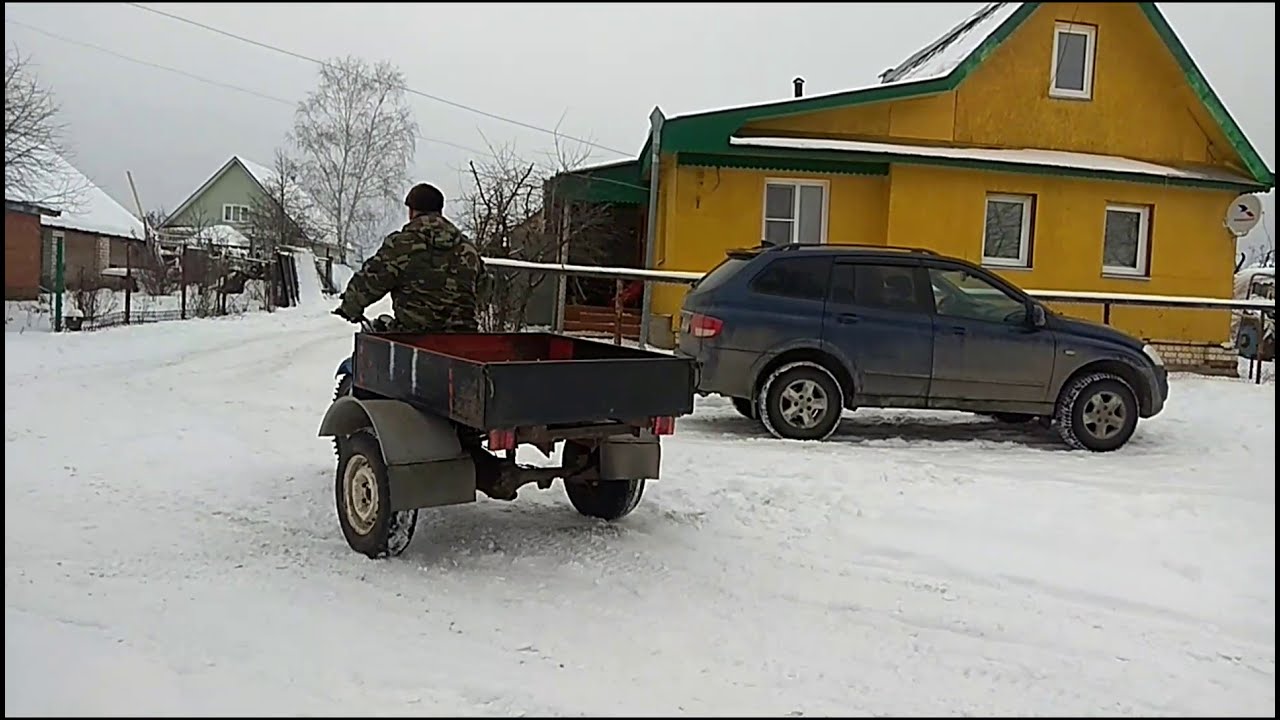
(796, 334)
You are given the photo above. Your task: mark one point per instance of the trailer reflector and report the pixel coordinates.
(663, 425)
(502, 440)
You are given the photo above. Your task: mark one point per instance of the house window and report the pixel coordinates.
(235, 213)
(795, 211)
(1126, 240)
(1006, 234)
(1072, 66)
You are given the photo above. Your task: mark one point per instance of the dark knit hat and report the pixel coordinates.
(425, 198)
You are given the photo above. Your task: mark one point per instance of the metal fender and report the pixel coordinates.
(344, 368)
(625, 457)
(425, 462)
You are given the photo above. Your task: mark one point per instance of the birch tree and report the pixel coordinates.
(356, 136)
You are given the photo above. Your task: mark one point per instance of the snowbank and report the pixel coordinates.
(24, 315)
(310, 290)
(341, 276)
(37, 315)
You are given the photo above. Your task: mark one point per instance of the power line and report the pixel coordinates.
(199, 78)
(256, 93)
(406, 88)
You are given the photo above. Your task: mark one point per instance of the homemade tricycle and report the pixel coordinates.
(428, 420)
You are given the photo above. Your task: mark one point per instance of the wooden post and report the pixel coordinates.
(182, 276)
(562, 280)
(128, 280)
(617, 312)
(1257, 353)
(59, 278)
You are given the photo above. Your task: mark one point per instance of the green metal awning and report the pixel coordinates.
(617, 182)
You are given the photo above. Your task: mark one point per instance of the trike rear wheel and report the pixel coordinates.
(362, 492)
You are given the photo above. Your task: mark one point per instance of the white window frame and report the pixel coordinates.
(1090, 52)
(795, 183)
(229, 215)
(1144, 240)
(1024, 240)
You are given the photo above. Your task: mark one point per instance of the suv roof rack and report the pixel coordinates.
(790, 247)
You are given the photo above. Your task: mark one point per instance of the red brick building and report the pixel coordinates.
(22, 247)
(96, 232)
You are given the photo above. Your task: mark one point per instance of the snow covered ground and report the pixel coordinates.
(171, 547)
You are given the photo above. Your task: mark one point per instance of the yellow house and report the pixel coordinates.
(1067, 146)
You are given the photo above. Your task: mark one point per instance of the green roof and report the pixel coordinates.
(616, 182)
(709, 132)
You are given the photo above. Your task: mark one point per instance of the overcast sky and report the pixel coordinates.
(600, 66)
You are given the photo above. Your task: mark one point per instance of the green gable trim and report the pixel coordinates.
(709, 132)
(807, 163)
(1196, 79)
(617, 182)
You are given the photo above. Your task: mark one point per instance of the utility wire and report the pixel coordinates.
(255, 93)
(199, 78)
(406, 88)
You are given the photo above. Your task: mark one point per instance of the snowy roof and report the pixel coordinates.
(222, 235)
(267, 177)
(940, 57)
(936, 60)
(1042, 158)
(85, 206)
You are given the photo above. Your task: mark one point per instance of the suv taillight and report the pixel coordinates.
(705, 326)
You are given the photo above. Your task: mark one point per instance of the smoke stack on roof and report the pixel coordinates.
(798, 86)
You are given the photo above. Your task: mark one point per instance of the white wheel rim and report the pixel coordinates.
(360, 487)
(803, 403)
(1104, 415)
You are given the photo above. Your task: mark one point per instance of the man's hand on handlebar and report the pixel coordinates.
(342, 313)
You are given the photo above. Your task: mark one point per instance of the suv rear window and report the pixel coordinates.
(720, 274)
(795, 277)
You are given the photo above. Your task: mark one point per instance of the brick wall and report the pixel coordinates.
(1206, 359)
(21, 256)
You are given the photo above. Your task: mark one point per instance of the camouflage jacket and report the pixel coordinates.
(433, 272)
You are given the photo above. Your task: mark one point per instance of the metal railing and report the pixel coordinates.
(1252, 307)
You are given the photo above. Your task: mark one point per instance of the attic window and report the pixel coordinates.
(235, 213)
(1072, 67)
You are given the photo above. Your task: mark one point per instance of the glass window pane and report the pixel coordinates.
(778, 232)
(780, 202)
(1120, 242)
(886, 287)
(810, 214)
(795, 277)
(1071, 61)
(961, 294)
(1004, 230)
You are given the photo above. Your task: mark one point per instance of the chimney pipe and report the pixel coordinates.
(798, 85)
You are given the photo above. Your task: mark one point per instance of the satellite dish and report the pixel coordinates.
(1243, 214)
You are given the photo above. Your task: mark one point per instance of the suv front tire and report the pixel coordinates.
(800, 401)
(1097, 412)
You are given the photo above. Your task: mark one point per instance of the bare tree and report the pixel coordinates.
(204, 256)
(157, 273)
(285, 215)
(92, 296)
(357, 136)
(34, 164)
(511, 210)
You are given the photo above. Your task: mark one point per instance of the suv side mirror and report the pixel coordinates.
(1036, 316)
